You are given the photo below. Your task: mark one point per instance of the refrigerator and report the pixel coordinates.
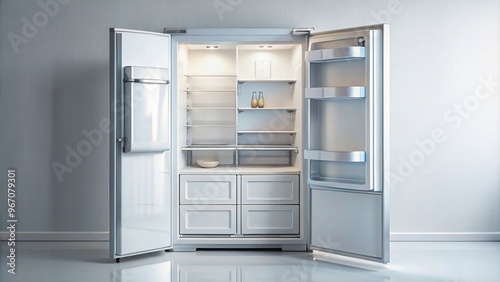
(250, 138)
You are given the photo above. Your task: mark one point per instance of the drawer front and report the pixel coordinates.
(268, 219)
(270, 189)
(207, 189)
(207, 220)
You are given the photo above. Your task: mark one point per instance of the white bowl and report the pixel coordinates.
(207, 163)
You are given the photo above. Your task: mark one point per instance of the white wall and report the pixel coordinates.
(56, 85)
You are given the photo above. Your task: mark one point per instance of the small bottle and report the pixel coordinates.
(254, 102)
(260, 102)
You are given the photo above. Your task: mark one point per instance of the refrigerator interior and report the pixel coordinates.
(215, 117)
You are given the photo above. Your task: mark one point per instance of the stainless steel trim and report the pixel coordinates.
(147, 81)
(386, 140)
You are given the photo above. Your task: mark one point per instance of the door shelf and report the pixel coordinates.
(343, 92)
(335, 156)
(336, 54)
(288, 109)
(291, 132)
(318, 182)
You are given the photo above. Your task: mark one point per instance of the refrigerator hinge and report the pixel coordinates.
(174, 30)
(302, 31)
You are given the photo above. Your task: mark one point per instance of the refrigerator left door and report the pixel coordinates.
(140, 151)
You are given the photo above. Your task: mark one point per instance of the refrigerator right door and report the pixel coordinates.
(347, 141)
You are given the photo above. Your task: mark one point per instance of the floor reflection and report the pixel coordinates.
(42, 261)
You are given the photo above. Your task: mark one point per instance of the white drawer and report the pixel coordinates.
(207, 219)
(207, 189)
(270, 189)
(268, 219)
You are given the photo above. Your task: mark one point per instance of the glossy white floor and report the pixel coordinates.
(42, 261)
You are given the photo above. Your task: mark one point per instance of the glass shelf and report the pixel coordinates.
(211, 125)
(210, 108)
(267, 148)
(210, 75)
(209, 148)
(243, 109)
(289, 81)
(267, 132)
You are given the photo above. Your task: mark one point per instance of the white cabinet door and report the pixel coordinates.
(270, 189)
(207, 189)
(270, 219)
(208, 219)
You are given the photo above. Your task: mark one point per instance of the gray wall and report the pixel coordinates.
(445, 122)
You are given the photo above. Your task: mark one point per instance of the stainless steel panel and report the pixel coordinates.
(347, 223)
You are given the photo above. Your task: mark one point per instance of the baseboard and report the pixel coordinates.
(395, 236)
(445, 236)
(57, 236)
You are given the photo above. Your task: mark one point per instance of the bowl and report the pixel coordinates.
(207, 163)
